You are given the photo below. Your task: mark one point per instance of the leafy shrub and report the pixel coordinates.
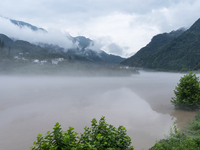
(194, 126)
(104, 136)
(177, 141)
(197, 117)
(187, 93)
(99, 136)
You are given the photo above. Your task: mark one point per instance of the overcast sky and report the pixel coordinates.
(119, 27)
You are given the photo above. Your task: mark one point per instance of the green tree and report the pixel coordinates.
(99, 136)
(187, 93)
(105, 136)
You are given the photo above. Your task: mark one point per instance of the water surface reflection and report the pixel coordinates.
(32, 105)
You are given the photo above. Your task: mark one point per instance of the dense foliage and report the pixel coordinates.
(177, 141)
(194, 126)
(188, 139)
(187, 93)
(99, 136)
(180, 52)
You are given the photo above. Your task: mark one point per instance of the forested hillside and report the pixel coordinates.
(176, 51)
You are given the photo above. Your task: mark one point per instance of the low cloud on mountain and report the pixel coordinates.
(127, 23)
(25, 33)
(56, 37)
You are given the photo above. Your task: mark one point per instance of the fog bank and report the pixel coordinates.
(141, 103)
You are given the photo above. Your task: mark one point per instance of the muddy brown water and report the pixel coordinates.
(141, 103)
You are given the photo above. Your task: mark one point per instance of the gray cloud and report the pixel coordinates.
(86, 9)
(55, 37)
(130, 23)
(115, 49)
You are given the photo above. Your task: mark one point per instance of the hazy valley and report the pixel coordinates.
(72, 80)
(32, 105)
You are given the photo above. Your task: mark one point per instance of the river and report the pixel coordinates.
(141, 103)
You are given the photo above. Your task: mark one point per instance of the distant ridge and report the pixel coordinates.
(22, 24)
(82, 50)
(44, 50)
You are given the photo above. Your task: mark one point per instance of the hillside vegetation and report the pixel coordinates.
(177, 51)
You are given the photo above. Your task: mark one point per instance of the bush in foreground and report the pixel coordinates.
(194, 126)
(177, 141)
(99, 136)
(187, 93)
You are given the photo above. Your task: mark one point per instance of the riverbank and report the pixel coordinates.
(188, 138)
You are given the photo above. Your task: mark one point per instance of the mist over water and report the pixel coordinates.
(141, 103)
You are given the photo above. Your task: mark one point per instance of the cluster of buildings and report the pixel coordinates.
(55, 61)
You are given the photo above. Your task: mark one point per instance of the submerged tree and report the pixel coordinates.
(187, 93)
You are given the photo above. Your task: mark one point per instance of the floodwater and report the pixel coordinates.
(141, 103)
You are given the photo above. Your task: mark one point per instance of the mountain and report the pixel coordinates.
(84, 53)
(21, 57)
(42, 51)
(81, 52)
(177, 50)
(22, 24)
(144, 57)
(82, 41)
(99, 56)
